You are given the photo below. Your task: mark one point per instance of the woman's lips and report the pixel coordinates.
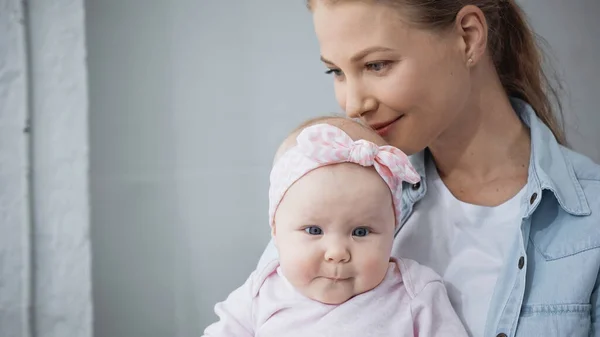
(383, 128)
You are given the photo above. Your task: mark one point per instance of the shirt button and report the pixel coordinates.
(502, 335)
(416, 186)
(533, 197)
(521, 262)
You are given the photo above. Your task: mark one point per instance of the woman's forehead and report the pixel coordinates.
(355, 18)
(347, 29)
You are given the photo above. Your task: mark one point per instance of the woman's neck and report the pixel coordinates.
(489, 143)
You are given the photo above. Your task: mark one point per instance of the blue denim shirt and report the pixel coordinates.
(549, 284)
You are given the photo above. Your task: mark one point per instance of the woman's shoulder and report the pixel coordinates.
(569, 224)
(586, 177)
(585, 169)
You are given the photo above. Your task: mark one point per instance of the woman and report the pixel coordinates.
(507, 215)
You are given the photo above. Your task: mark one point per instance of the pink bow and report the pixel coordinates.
(323, 144)
(328, 144)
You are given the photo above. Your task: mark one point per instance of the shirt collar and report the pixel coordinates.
(549, 168)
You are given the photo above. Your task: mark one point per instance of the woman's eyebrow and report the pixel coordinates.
(361, 54)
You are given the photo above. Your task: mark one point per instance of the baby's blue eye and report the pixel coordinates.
(313, 230)
(361, 231)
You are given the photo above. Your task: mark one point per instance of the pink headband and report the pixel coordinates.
(324, 144)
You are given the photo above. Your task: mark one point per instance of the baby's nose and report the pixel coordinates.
(337, 253)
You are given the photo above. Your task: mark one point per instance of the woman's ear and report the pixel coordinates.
(472, 26)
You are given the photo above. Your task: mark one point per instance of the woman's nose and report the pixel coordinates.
(358, 102)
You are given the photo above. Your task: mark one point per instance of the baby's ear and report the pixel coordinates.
(274, 236)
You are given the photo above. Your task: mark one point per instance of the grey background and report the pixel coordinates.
(189, 100)
(45, 277)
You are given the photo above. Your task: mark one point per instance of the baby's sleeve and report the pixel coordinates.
(235, 313)
(433, 314)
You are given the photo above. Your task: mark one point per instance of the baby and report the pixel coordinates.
(334, 206)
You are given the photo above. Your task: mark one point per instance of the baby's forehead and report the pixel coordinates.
(352, 128)
(355, 189)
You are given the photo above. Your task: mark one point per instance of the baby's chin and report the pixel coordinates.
(331, 297)
(334, 292)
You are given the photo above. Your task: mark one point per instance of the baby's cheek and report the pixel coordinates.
(373, 266)
(299, 269)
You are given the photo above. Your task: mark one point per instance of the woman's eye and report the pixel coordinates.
(313, 230)
(377, 66)
(361, 231)
(335, 72)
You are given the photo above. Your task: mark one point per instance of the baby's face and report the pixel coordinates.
(334, 231)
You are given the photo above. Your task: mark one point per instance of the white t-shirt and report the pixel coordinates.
(466, 244)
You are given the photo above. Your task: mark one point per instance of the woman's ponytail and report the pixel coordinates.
(519, 63)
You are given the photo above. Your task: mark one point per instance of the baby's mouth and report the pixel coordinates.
(337, 278)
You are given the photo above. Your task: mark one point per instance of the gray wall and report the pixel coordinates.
(15, 248)
(572, 31)
(45, 281)
(188, 102)
(62, 294)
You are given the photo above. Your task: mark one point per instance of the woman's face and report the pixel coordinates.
(409, 84)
